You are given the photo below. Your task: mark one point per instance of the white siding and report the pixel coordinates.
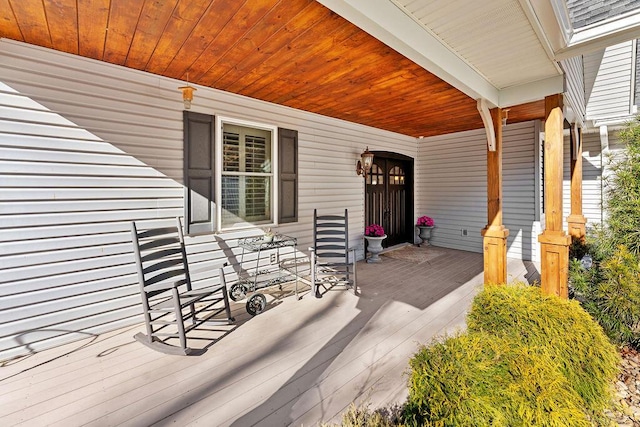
(592, 177)
(594, 164)
(608, 81)
(574, 96)
(86, 147)
(452, 188)
(518, 168)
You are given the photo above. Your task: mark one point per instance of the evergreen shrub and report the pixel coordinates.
(526, 359)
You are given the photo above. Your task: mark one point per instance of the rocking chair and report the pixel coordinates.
(168, 299)
(332, 261)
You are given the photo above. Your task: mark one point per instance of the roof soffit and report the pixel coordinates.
(405, 32)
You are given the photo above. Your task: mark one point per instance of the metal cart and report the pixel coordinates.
(266, 274)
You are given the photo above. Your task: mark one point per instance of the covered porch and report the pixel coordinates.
(299, 363)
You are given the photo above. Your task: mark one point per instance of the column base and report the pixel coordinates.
(577, 227)
(554, 250)
(495, 254)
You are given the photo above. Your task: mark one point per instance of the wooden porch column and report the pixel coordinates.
(554, 242)
(576, 221)
(495, 234)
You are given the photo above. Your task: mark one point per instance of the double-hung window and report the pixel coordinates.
(238, 174)
(247, 176)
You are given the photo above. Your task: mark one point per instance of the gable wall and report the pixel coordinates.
(608, 81)
(86, 148)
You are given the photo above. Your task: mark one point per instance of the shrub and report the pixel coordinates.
(551, 324)
(481, 379)
(363, 416)
(616, 299)
(610, 292)
(623, 194)
(526, 359)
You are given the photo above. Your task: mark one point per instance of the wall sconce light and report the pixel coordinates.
(505, 114)
(364, 164)
(187, 95)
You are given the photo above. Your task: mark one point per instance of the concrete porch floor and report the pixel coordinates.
(299, 363)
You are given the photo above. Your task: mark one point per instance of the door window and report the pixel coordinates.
(396, 176)
(376, 175)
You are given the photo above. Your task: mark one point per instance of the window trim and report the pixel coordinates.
(275, 169)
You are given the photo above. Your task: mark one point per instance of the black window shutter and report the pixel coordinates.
(199, 176)
(288, 179)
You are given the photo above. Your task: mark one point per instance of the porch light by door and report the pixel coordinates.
(364, 164)
(187, 95)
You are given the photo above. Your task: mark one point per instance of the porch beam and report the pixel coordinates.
(495, 234)
(577, 222)
(554, 242)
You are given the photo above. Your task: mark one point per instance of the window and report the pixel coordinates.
(376, 175)
(396, 176)
(237, 174)
(247, 176)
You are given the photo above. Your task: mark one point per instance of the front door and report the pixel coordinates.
(389, 197)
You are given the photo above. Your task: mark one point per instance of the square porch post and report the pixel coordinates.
(495, 234)
(576, 221)
(554, 242)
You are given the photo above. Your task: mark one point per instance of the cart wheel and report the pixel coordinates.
(256, 304)
(238, 291)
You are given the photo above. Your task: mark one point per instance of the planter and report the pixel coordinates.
(374, 246)
(425, 234)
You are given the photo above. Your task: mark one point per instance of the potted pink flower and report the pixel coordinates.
(425, 224)
(374, 234)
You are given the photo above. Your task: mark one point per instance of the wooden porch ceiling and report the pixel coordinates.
(290, 52)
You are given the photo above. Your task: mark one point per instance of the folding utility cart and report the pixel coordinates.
(268, 271)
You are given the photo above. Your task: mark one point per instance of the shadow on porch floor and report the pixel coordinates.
(299, 363)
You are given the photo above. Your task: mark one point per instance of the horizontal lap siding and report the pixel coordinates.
(574, 75)
(88, 147)
(592, 178)
(594, 166)
(452, 188)
(519, 190)
(451, 182)
(608, 81)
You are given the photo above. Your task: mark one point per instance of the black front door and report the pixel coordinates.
(389, 197)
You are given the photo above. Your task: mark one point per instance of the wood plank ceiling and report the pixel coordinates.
(290, 52)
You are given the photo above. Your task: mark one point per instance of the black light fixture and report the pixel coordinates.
(364, 164)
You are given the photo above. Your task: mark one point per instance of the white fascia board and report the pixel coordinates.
(534, 91)
(543, 17)
(390, 24)
(566, 42)
(587, 42)
(620, 121)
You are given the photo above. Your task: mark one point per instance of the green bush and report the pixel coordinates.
(551, 324)
(616, 299)
(480, 379)
(526, 359)
(622, 200)
(610, 292)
